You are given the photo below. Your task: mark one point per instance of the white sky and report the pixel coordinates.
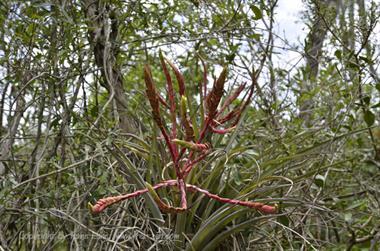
(289, 26)
(288, 17)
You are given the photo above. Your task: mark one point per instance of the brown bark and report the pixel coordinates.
(13, 123)
(103, 30)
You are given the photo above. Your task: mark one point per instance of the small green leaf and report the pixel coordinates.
(338, 54)
(367, 100)
(319, 180)
(378, 87)
(230, 57)
(257, 12)
(55, 123)
(367, 60)
(357, 205)
(93, 111)
(369, 118)
(376, 106)
(284, 220)
(353, 66)
(255, 36)
(213, 42)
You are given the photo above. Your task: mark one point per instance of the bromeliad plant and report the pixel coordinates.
(196, 148)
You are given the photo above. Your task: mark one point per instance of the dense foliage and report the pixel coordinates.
(76, 125)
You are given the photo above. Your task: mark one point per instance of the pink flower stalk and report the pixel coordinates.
(232, 98)
(171, 97)
(197, 149)
(222, 131)
(106, 202)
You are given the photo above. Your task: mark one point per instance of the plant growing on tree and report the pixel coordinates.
(195, 147)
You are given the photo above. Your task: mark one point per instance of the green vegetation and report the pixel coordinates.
(294, 144)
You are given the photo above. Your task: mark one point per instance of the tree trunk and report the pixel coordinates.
(103, 36)
(313, 52)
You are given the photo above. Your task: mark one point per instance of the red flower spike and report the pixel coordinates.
(210, 122)
(169, 85)
(106, 202)
(154, 103)
(152, 95)
(189, 130)
(256, 205)
(213, 98)
(204, 78)
(231, 98)
(179, 76)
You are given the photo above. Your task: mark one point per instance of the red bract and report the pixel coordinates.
(197, 149)
(213, 98)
